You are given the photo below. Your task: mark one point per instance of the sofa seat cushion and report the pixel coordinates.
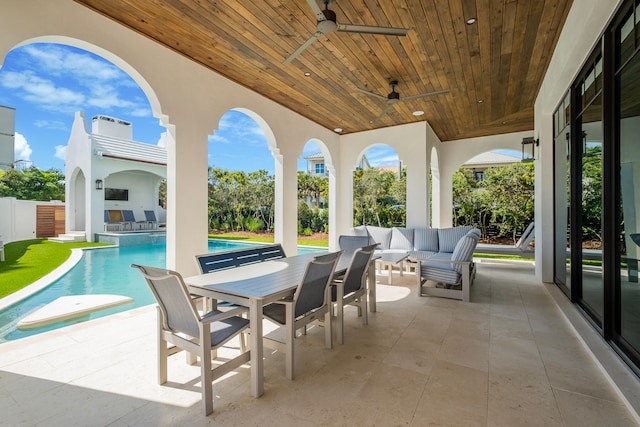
(441, 256)
(401, 238)
(380, 235)
(420, 255)
(440, 273)
(425, 239)
(449, 237)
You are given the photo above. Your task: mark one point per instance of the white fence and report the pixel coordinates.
(18, 218)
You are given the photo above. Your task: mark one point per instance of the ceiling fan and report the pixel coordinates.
(394, 96)
(327, 24)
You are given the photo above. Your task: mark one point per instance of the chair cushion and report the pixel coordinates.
(380, 235)
(425, 239)
(475, 232)
(449, 237)
(464, 251)
(441, 273)
(401, 238)
(421, 255)
(360, 230)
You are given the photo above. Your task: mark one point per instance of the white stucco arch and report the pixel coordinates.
(453, 154)
(104, 53)
(76, 205)
(411, 143)
(331, 171)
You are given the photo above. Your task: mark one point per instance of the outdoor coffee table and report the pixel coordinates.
(387, 260)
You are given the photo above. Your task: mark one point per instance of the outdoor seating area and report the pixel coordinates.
(125, 220)
(443, 256)
(419, 361)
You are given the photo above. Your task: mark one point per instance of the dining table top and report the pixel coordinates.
(259, 280)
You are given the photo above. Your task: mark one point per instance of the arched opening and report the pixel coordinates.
(314, 173)
(379, 188)
(241, 175)
(54, 83)
(494, 191)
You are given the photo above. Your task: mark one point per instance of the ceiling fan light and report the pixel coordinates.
(418, 113)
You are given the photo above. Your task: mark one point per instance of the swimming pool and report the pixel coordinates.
(102, 271)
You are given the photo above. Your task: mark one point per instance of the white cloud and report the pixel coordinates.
(65, 79)
(67, 60)
(22, 150)
(42, 91)
(51, 124)
(217, 138)
(60, 152)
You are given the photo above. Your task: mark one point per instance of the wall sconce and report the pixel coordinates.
(98, 184)
(529, 156)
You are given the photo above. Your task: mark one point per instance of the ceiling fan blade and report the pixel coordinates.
(388, 31)
(422, 95)
(389, 105)
(316, 10)
(303, 47)
(366, 92)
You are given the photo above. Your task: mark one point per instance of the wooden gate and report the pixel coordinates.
(49, 220)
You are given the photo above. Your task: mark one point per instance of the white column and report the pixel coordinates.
(286, 200)
(187, 197)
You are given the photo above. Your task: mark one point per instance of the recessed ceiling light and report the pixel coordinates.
(338, 130)
(307, 74)
(418, 113)
(480, 101)
(471, 21)
(504, 123)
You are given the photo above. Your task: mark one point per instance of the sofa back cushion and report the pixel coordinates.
(401, 238)
(464, 251)
(425, 239)
(360, 230)
(380, 235)
(449, 237)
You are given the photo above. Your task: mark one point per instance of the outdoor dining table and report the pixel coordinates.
(256, 285)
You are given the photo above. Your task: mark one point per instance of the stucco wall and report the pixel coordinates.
(18, 218)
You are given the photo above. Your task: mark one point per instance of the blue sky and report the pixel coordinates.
(48, 83)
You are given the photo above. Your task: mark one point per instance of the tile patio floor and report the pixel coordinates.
(508, 358)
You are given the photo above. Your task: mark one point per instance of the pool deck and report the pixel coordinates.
(513, 356)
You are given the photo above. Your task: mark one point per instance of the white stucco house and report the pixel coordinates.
(106, 169)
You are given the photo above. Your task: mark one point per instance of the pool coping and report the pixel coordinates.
(43, 282)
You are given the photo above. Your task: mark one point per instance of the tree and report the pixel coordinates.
(376, 198)
(510, 189)
(32, 184)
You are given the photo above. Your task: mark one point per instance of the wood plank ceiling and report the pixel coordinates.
(492, 68)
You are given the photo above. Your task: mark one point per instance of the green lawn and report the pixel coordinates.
(268, 239)
(29, 260)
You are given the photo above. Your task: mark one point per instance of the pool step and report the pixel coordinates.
(72, 236)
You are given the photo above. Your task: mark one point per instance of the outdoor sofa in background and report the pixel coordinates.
(442, 255)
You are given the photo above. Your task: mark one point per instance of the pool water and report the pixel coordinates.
(101, 271)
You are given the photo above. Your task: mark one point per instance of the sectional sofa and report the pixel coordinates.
(443, 255)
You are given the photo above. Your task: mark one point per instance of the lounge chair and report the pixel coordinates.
(180, 324)
(311, 301)
(129, 220)
(352, 287)
(112, 220)
(151, 220)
